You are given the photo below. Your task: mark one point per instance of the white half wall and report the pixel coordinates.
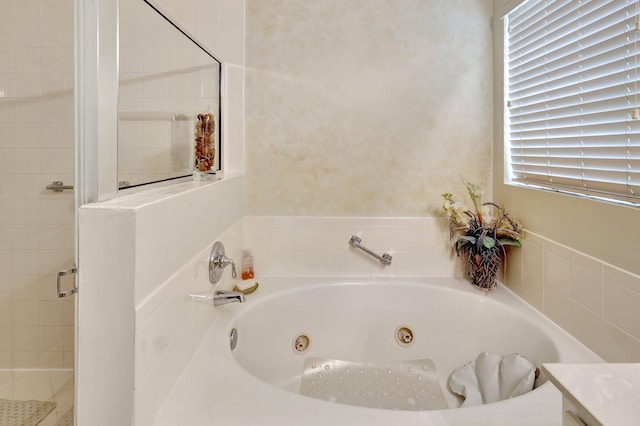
(137, 252)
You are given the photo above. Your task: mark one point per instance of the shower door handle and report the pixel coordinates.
(59, 276)
(57, 186)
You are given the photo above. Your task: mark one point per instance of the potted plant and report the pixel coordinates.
(482, 235)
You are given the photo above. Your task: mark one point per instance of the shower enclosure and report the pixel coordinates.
(37, 225)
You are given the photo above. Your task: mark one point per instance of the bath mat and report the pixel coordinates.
(402, 385)
(66, 419)
(24, 413)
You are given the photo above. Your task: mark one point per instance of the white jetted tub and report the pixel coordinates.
(290, 331)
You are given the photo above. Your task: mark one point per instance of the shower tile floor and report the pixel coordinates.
(40, 385)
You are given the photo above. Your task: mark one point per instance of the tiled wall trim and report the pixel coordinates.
(596, 302)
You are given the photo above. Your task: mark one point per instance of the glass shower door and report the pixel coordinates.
(37, 224)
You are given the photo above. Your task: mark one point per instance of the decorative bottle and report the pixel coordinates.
(247, 266)
(205, 147)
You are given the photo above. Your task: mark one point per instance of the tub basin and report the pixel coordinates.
(258, 382)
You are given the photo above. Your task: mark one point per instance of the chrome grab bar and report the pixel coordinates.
(385, 259)
(58, 186)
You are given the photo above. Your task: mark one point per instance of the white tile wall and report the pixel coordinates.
(532, 280)
(36, 148)
(106, 316)
(596, 302)
(170, 327)
(622, 301)
(305, 246)
(154, 230)
(233, 153)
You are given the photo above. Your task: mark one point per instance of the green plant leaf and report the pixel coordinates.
(463, 241)
(467, 239)
(509, 242)
(488, 242)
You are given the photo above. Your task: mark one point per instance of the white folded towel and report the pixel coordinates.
(491, 377)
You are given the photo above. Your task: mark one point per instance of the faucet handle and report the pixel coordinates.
(223, 261)
(218, 261)
(234, 274)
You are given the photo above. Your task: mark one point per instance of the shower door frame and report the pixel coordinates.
(95, 127)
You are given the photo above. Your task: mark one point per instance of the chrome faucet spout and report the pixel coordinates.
(222, 297)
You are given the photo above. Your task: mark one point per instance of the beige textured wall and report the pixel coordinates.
(366, 107)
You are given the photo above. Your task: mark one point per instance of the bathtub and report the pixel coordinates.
(362, 321)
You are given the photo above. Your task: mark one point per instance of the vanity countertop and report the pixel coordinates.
(605, 394)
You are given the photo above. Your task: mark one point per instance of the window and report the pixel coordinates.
(571, 82)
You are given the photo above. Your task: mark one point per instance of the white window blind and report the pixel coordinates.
(572, 96)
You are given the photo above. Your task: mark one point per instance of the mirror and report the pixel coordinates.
(169, 96)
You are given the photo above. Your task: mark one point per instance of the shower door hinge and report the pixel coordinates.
(61, 274)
